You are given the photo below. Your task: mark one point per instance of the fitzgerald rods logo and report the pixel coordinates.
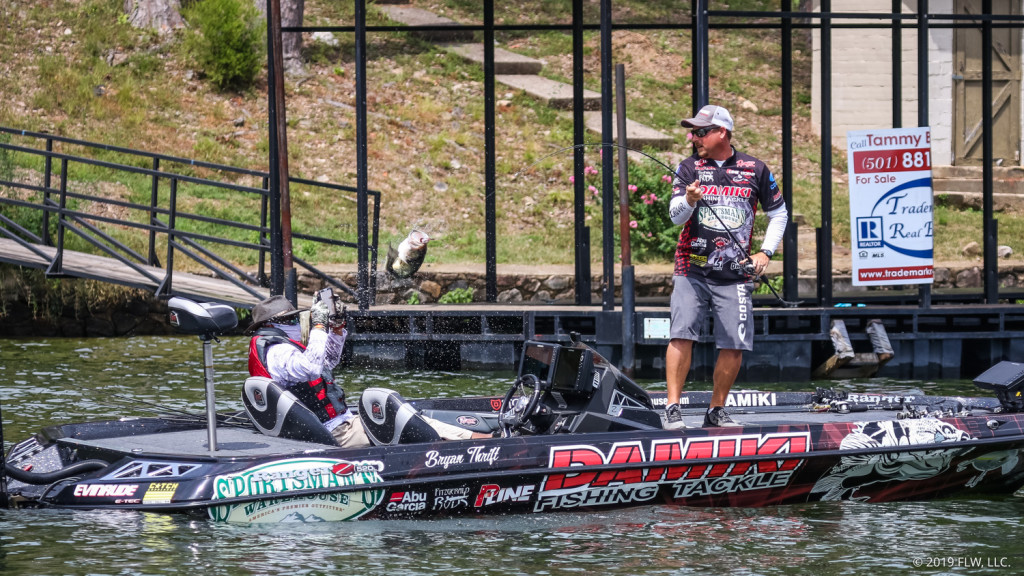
(668, 457)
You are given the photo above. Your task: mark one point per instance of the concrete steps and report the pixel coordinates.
(418, 17)
(961, 187)
(522, 73)
(551, 92)
(637, 134)
(505, 62)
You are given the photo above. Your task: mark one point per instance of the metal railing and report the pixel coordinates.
(106, 223)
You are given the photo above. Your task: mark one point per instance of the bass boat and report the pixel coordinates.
(571, 433)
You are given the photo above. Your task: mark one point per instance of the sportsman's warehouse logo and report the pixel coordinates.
(320, 482)
(665, 463)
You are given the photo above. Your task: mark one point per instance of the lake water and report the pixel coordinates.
(59, 380)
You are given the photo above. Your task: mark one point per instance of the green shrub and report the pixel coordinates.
(652, 236)
(457, 296)
(227, 41)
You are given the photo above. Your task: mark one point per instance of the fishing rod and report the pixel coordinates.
(3, 464)
(748, 268)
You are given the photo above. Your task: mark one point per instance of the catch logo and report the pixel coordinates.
(407, 502)
(159, 493)
(665, 462)
(493, 494)
(496, 404)
(869, 232)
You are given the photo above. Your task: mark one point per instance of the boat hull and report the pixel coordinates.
(253, 478)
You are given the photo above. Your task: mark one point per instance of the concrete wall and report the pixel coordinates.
(862, 76)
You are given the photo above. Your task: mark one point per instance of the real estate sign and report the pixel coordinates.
(890, 206)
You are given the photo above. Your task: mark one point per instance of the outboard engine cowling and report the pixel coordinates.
(389, 419)
(277, 412)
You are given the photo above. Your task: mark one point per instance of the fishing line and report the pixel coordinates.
(672, 171)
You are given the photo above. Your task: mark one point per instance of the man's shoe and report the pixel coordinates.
(717, 417)
(674, 417)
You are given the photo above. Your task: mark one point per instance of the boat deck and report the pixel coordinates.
(695, 418)
(240, 443)
(231, 443)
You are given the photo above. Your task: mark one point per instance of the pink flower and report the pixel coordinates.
(631, 188)
(633, 224)
(587, 170)
(650, 235)
(592, 190)
(653, 197)
(649, 199)
(666, 178)
(572, 179)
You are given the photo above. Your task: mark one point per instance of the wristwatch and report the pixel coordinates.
(767, 253)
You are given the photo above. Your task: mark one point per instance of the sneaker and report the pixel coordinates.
(674, 417)
(717, 417)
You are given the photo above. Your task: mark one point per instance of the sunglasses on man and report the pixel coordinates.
(702, 132)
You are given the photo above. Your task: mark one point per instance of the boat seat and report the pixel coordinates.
(203, 319)
(277, 412)
(388, 419)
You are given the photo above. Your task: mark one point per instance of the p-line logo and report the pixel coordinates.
(869, 232)
(665, 463)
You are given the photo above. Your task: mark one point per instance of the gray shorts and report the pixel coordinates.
(729, 304)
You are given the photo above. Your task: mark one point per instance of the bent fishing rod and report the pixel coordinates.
(748, 268)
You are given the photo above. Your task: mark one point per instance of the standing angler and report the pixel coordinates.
(709, 264)
(405, 261)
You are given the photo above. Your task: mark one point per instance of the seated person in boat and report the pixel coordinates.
(301, 357)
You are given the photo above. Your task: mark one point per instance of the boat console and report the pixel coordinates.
(573, 389)
(1006, 379)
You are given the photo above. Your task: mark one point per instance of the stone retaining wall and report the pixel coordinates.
(546, 288)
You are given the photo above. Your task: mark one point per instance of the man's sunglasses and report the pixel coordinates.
(702, 132)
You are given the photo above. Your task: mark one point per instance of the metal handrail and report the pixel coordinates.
(183, 241)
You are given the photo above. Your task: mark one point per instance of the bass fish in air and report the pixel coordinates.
(406, 260)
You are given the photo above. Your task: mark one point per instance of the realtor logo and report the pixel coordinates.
(869, 232)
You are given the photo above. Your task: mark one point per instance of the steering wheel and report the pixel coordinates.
(518, 406)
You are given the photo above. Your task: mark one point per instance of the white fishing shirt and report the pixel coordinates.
(289, 365)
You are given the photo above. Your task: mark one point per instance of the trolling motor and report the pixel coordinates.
(208, 321)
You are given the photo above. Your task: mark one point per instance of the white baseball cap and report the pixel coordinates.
(710, 115)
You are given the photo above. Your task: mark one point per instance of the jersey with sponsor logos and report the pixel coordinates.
(733, 190)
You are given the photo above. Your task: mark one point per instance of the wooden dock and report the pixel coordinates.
(93, 267)
(944, 341)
